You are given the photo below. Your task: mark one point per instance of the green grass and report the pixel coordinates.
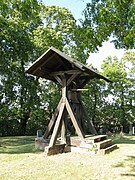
(20, 160)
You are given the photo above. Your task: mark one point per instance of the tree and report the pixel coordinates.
(94, 100)
(129, 61)
(17, 24)
(28, 28)
(105, 18)
(120, 92)
(59, 29)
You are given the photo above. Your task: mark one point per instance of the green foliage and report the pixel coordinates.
(59, 29)
(121, 91)
(105, 18)
(29, 28)
(111, 106)
(93, 99)
(56, 28)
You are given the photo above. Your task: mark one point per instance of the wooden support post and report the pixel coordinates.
(58, 79)
(59, 118)
(64, 93)
(71, 78)
(64, 87)
(56, 127)
(63, 132)
(74, 121)
(53, 119)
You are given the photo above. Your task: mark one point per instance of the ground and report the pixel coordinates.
(20, 160)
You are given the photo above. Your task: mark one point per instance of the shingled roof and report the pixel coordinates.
(54, 60)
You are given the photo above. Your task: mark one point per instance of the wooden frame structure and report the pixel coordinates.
(72, 76)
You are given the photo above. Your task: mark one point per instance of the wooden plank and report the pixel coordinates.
(58, 79)
(64, 88)
(45, 70)
(42, 63)
(52, 121)
(61, 61)
(56, 149)
(103, 144)
(66, 72)
(103, 137)
(74, 121)
(71, 79)
(56, 127)
(75, 141)
(108, 149)
(63, 132)
(79, 89)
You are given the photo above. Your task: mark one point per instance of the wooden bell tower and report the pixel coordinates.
(72, 76)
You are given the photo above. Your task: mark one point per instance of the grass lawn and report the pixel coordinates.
(20, 160)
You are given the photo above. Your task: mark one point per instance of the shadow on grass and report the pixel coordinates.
(118, 139)
(17, 145)
(132, 160)
(120, 164)
(128, 162)
(131, 173)
(128, 175)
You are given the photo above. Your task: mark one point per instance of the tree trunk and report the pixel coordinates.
(23, 123)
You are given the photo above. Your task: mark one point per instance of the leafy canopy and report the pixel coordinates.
(111, 18)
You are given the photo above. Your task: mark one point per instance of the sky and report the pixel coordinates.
(76, 7)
